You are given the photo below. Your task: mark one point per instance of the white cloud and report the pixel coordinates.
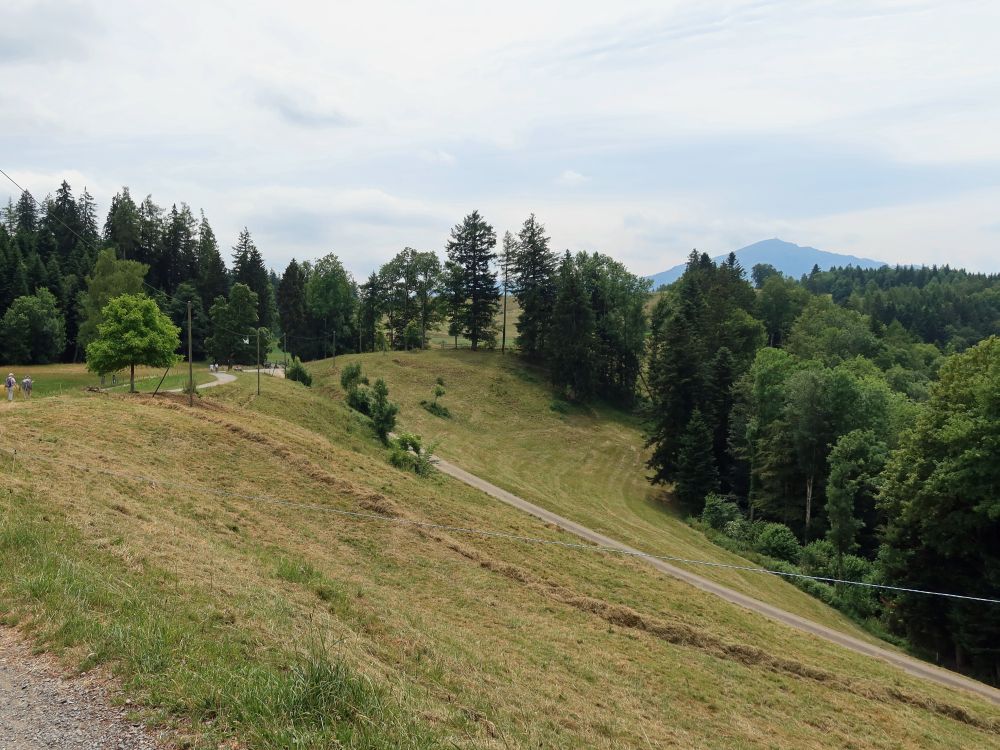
(378, 125)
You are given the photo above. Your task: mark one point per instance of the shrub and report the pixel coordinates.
(778, 541)
(719, 511)
(559, 406)
(359, 398)
(382, 411)
(351, 376)
(407, 452)
(297, 372)
(438, 410)
(440, 380)
(817, 558)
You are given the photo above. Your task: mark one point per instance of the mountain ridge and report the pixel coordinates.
(791, 259)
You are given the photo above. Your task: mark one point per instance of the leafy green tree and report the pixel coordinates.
(383, 411)
(780, 301)
(176, 307)
(234, 320)
(330, 299)
(761, 272)
(831, 334)
(32, 330)
(571, 351)
(940, 499)
(132, 332)
(453, 292)
(856, 463)
(696, 475)
(535, 286)
(778, 541)
(471, 250)
(110, 278)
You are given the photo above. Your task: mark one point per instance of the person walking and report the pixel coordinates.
(26, 386)
(9, 383)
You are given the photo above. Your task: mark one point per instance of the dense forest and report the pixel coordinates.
(843, 425)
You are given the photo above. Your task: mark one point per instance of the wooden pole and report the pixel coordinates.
(190, 362)
(258, 361)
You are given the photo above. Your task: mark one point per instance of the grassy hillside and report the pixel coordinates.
(231, 614)
(587, 464)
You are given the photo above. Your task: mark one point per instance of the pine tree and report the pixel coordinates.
(233, 323)
(150, 224)
(248, 268)
(572, 323)
(453, 290)
(471, 249)
(121, 227)
(212, 278)
(506, 276)
(535, 287)
(291, 300)
(87, 218)
(26, 213)
(696, 475)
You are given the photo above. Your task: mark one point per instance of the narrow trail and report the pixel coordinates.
(902, 661)
(220, 379)
(40, 709)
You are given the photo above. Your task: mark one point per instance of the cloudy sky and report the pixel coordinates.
(637, 129)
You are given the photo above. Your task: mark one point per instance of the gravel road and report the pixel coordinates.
(902, 661)
(43, 710)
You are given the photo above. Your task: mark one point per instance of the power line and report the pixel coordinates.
(488, 533)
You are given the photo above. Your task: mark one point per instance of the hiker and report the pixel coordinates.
(26, 386)
(10, 383)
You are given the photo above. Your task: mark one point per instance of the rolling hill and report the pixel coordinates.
(255, 569)
(791, 259)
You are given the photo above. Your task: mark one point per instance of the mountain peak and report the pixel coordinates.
(791, 259)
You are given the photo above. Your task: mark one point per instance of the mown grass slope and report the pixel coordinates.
(585, 463)
(279, 623)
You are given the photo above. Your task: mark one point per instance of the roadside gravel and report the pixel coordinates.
(40, 709)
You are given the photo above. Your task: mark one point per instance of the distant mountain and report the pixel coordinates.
(789, 258)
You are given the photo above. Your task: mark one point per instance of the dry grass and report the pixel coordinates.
(466, 641)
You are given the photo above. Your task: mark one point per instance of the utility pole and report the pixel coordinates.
(285, 348)
(190, 362)
(334, 347)
(258, 361)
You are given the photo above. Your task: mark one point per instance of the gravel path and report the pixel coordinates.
(220, 378)
(42, 710)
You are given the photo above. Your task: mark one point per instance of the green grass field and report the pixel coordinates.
(585, 463)
(282, 625)
(51, 380)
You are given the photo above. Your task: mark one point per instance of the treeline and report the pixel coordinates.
(582, 316)
(830, 441)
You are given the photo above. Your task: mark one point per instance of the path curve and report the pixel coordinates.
(220, 379)
(906, 663)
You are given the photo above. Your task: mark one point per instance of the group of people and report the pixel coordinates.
(214, 367)
(11, 384)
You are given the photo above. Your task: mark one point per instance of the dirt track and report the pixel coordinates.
(902, 661)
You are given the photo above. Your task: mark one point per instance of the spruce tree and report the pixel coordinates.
(212, 278)
(696, 475)
(471, 249)
(121, 228)
(248, 268)
(291, 300)
(535, 287)
(572, 362)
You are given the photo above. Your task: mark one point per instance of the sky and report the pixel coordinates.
(637, 129)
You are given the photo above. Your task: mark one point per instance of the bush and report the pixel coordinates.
(817, 558)
(359, 398)
(559, 406)
(719, 511)
(350, 376)
(407, 452)
(297, 372)
(778, 541)
(438, 410)
(382, 411)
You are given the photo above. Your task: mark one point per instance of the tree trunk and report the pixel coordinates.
(131, 378)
